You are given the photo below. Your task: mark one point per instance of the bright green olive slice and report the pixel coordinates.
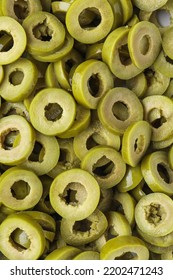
(45, 33)
(20, 78)
(131, 179)
(105, 200)
(144, 42)
(117, 225)
(158, 112)
(140, 190)
(11, 27)
(124, 248)
(91, 80)
(87, 255)
(64, 253)
(127, 10)
(135, 142)
(119, 108)
(52, 111)
(33, 231)
(20, 189)
(167, 42)
(50, 77)
(149, 6)
(157, 249)
(105, 164)
(116, 55)
(59, 9)
(74, 194)
(153, 214)
(78, 233)
(118, 13)
(157, 172)
(15, 155)
(97, 28)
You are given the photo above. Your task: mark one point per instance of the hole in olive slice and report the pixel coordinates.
(94, 85)
(139, 144)
(163, 17)
(20, 189)
(35, 155)
(4, 36)
(163, 172)
(103, 167)
(120, 111)
(53, 112)
(69, 64)
(89, 18)
(169, 60)
(158, 122)
(153, 213)
(146, 188)
(42, 31)
(117, 206)
(63, 155)
(21, 9)
(124, 55)
(8, 137)
(74, 194)
(144, 45)
(16, 77)
(19, 239)
(127, 256)
(83, 225)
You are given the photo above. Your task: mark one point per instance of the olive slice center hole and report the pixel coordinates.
(6, 41)
(94, 85)
(74, 194)
(16, 77)
(21, 9)
(156, 118)
(144, 44)
(42, 31)
(82, 226)
(139, 144)
(103, 167)
(127, 256)
(8, 138)
(120, 111)
(20, 190)
(20, 239)
(153, 213)
(89, 18)
(163, 17)
(38, 149)
(163, 172)
(124, 55)
(53, 112)
(63, 155)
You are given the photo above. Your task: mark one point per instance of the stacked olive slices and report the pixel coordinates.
(86, 129)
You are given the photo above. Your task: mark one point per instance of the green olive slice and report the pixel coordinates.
(149, 6)
(124, 248)
(115, 54)
(131, 179)
(119, 108)
(135, 142)
(117, 225)
(144, 42)
(94, 51)
(32, 229)
(97, 28)
(167, 42)
(78, 233)
(158, 112)
(59, 9)
(153, 214)
(87, 255)
(15, 124)
(14, 108)
(118, 13)
(50, 77)
(74, 194)
(52, 111)
(138, 84)
(140, 190)
(20, 189)
(64, 253)
(127, 10)
(91, 80)
(164, 65)
(10, 26)
(157, 172)
(20, 78)
(105, 164)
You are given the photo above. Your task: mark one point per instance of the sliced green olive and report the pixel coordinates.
(87, 255)
(52, 111)
(158, 112)
(135, 142)
(140, 190)
(74, 194)
(149, 6)
(127, 10)
(64, 253)
(20, 189)
(91, 80)
(15, 124)
(157, 172)
(131, 179)
(116, 6)
(33, 231)
(10, 26)
(167, 255)
(105, 164)
(50, 77)
(14, 108)
(89, 31)
(115, 54)
(138, 84)
(164, 65)
(119, 108)
(117, 225)
(105, 199)
(153, 214)
(59, 9)
(20, 78)
(78, 233)
(124, 248)
(94, 51)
